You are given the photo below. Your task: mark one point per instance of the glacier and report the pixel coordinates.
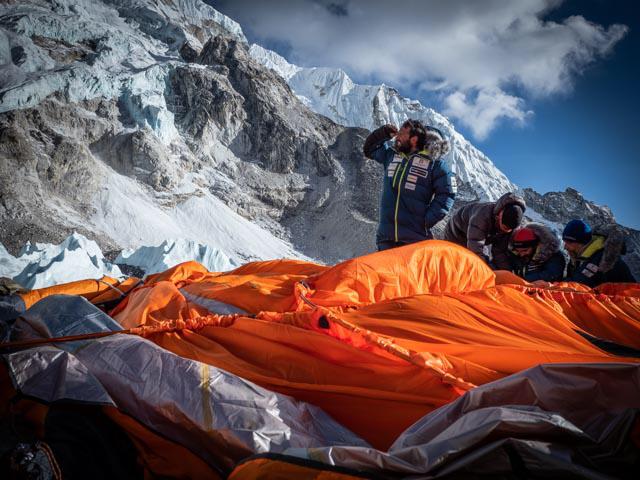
(43, 265)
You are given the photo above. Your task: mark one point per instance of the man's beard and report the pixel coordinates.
(403, 148)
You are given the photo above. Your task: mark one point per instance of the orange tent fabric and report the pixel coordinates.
(96, 291)
(377, 341)
(432, 266)
(403, 338)
(160, 457)
(278, 467)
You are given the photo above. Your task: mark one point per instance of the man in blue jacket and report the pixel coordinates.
(595, 255)
(418, 187)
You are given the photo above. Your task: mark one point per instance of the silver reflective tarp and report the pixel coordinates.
(51, 374)
(214, 306)
(192, 403)
(558, 419)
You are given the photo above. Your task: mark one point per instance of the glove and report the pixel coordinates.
(390, 130)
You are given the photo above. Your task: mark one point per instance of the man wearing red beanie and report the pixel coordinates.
(535, 253)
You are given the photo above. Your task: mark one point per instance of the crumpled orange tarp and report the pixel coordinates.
(377, 341)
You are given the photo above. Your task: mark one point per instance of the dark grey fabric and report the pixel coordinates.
(11, 306)
(560, 420)
(182, 399)
(473, 226)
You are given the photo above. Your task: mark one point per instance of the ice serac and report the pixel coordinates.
(76, 258)
(154, 259)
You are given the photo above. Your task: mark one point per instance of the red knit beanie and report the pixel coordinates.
(524, 238)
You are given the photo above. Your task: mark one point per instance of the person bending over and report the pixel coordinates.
(595, 256)
(535, 255)
(480, 224)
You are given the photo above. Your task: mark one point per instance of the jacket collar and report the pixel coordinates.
(591, 248)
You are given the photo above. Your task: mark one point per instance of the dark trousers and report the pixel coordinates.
(386, 245)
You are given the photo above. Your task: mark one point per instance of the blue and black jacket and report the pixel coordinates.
(418, 190)
(587, 268)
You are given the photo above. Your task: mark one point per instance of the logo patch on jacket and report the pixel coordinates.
(391, 169)
(454, 184)
(420, 172)
(590, 270)
(419, 167)
(420, 162)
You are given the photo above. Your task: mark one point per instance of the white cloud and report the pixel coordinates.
(469, 48)
(481, 114)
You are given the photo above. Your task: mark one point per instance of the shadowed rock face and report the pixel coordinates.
(48, 178)
(303, 171)
(296, 172)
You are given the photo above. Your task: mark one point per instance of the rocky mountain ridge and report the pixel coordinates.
(136, 121)
(332, 93)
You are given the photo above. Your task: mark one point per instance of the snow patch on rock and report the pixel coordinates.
(128, 213)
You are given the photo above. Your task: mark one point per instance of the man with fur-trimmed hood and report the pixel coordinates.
(481, 224)
(534, 253)
(418, 186)
(595, 255)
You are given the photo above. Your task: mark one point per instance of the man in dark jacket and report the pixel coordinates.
(481, 224)
(535, 254)
(418, 187)
(595, 255)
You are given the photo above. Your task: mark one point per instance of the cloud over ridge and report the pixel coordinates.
(473, 54)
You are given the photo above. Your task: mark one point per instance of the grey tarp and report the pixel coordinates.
(11, 306)
(569, 420)
(184, 400)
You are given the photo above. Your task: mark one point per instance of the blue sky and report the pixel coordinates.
(546, 88)
(588, 138)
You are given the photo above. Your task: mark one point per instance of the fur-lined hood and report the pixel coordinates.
(548, 245)
(436, 146)
(507, 199)
(614, 245)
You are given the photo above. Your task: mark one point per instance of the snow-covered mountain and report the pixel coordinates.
(135, 121)
(332, 93)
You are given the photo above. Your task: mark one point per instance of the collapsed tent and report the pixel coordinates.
(414, 361)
